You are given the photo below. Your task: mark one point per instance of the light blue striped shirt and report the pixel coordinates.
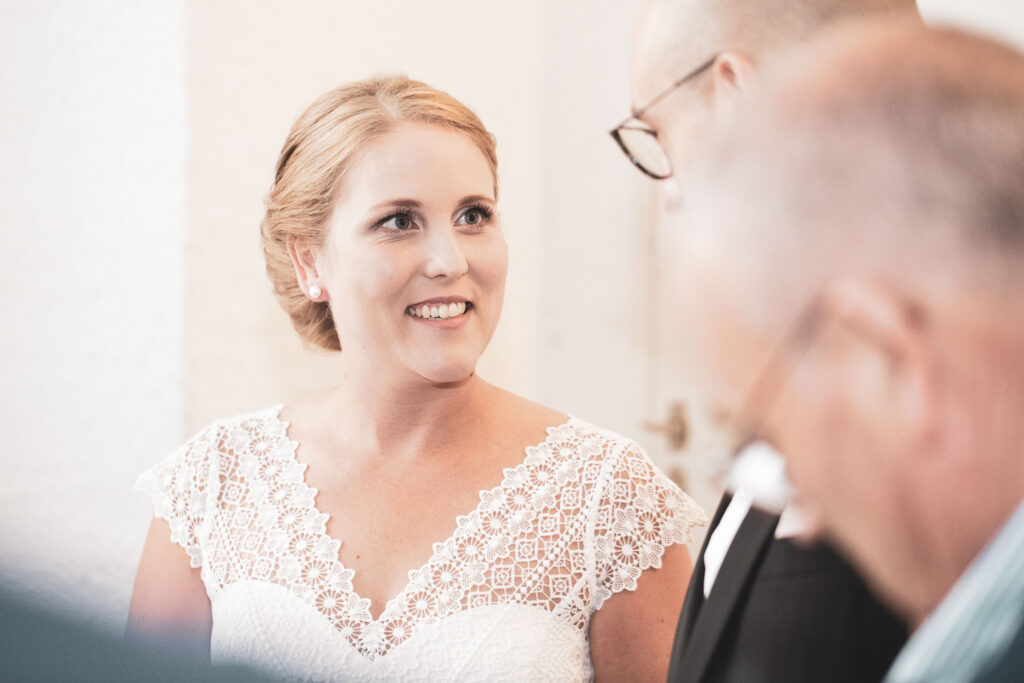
(973, 626)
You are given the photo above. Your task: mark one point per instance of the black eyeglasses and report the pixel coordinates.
(640, 142)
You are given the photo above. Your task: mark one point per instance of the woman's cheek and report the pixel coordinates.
(382, 276)
(494, 262)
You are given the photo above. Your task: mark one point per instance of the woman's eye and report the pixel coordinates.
(398, 221)
(475, 216)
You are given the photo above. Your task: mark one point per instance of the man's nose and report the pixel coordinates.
(445, 256)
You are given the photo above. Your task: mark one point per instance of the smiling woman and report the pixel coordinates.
(314, 164)
(414, 522)
(413, 226)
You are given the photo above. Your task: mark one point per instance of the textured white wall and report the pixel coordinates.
(91, 208)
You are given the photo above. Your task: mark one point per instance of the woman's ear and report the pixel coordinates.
(305, 260)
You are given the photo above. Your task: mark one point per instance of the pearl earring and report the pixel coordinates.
(315, 291)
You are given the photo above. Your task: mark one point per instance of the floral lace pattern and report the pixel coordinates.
(578, 520)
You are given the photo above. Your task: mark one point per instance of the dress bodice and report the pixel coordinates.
(508, 596)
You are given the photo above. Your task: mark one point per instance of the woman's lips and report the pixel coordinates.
(439, 310)
(444, 312)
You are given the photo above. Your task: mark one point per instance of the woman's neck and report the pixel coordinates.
(406, 416)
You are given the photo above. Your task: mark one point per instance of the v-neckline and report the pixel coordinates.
(323, 537)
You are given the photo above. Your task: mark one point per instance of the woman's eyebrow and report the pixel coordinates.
(474, 198)
(404, 203)
(416, 204)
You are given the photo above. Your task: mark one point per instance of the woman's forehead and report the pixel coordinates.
(418, 161)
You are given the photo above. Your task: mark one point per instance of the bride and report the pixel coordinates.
(540, 547)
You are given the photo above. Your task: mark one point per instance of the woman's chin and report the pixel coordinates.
(449, 373)
(452, 378)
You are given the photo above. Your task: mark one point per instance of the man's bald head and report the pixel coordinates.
(893, 150)
(878, 181)
(673, 36)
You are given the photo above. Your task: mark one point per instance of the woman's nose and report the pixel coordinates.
(445, 257)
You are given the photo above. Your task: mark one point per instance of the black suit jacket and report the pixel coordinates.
(781, 611)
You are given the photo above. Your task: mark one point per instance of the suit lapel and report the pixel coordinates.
(734, 576)
(694, 595)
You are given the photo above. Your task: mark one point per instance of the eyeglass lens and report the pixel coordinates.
(645, 150)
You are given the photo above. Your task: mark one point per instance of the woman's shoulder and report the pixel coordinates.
(628, 476)
(634, 510)
(185, 485)
(223, 439)
(519, 413)
(236, 431)
(574, 438)
(599, 444)
(254, 419)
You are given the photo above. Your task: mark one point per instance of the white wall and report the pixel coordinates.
(594, 338)
(1003, 19)
(92, 134)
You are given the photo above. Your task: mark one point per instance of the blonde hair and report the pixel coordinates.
(322, 146)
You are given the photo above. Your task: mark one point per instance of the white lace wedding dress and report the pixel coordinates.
(508, 596)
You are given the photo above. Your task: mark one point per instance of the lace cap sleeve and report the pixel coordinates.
(181, 486)
(639, 514)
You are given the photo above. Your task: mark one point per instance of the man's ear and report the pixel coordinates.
(306, 263)
(735, 76)
(892, 361)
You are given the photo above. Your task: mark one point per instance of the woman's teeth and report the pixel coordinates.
(437, 311)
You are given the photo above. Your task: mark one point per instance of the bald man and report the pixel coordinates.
(760, 606)
(871, 284)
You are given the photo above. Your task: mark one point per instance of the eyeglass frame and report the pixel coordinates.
(637, 113)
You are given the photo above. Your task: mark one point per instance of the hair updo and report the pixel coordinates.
(323, 144)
